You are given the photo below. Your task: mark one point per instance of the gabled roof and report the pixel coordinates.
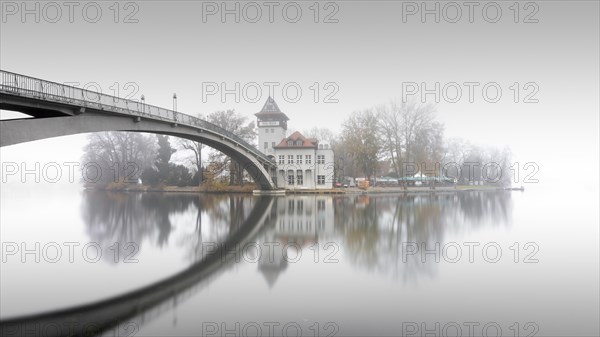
(295, 137)
(271, 110)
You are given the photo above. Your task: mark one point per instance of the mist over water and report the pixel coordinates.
(354, 264)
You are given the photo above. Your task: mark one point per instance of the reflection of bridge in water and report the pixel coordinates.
(147, 302)
(60, 110)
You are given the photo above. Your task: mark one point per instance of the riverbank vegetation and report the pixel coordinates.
(395, 141)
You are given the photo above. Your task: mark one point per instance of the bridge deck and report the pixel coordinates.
(37, 90)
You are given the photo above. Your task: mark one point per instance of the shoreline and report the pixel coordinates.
(390, 190)
(247, 189)
(252, 189)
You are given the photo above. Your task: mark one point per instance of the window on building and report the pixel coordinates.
(299, 177)
(290, 159)
(266, 130)
(272, 144)
(320, 159)
(320, 146)
(320, 180)
(299, 143)
(326, 146)
(299, 159)
(272, 130)
(266, 145)
(308, 158)
(281, 159)
(291, 179)
(290, 143)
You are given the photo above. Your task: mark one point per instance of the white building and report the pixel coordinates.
(302, 163)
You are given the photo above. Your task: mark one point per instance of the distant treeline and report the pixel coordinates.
(393, 140)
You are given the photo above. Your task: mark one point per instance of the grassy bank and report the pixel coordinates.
(206, 188)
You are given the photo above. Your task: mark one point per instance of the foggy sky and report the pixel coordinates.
(368, 54)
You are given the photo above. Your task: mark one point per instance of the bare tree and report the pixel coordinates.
(322, 134)
(195, 154)
(361, 138)
(429, 148)
(119, 156)
(401, 125)
(390, 127)
(414, 119)
(239, 125)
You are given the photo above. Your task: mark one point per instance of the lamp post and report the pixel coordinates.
(143, 103)
(175, 106)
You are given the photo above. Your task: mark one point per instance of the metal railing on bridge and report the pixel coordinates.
(25, 86)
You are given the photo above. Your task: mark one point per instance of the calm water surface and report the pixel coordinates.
(469, 263)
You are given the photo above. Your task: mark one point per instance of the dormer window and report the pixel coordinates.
(290, 143)
(299, 143)
(320, 146)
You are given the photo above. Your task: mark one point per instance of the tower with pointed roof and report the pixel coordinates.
(272, 126)
(302, 163)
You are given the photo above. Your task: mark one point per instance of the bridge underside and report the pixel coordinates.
(55, 123)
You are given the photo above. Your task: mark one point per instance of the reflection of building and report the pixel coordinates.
(301, 162)
(303, 219)
(271, 266)
(300, 221)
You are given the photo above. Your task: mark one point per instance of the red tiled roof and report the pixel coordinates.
(295, 137)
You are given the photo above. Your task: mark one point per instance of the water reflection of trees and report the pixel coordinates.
(117, 217)
(217, 217)
(374, 228)
(370, 229)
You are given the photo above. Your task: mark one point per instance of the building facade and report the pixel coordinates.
(302, 163)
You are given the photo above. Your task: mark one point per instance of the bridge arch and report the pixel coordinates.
(60, 110)
(30, 129)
